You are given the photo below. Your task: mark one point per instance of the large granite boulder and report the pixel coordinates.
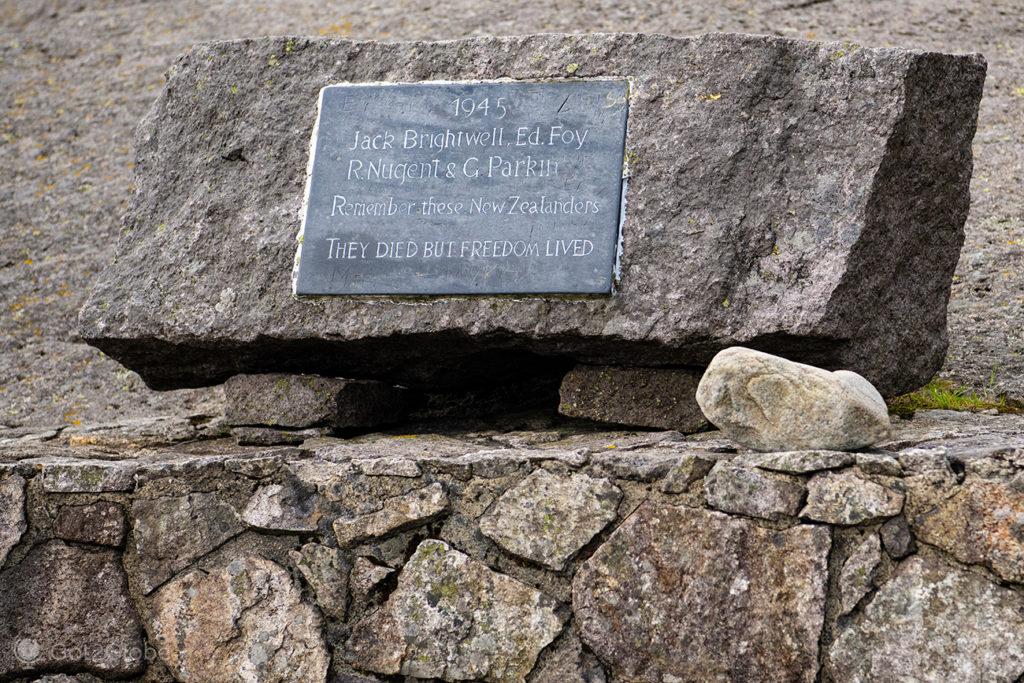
(802, 198)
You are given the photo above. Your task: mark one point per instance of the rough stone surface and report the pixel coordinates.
(281, 507)
(847, 499)
(327, 573)
(858, 573)
(170, 532)
(67, 608)
(298, 401)
(365, 576)
(896, 538)
(769, 403)
(547, 517)
(689, 469)
(753, 492)
(266, 436)
(802, 462)
(101, 523)
(660, 398)
(854, 272)
(402, 512)
(983, 523)
(934, 623)
(12, 513)
(88, 476)
(244, 621)
(453, 618)
(743, 602)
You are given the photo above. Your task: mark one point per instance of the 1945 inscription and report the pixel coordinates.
(464, 188)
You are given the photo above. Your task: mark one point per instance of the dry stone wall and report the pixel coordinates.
(540, 555)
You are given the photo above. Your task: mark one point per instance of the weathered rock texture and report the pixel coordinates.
(683, 594)
(934, 623)
(547, 518)
(453, 618)
(298, 401)
(797, 197)
(565, 555)
(245, 621)
(67, 608)
(770, 403)
(661, 398)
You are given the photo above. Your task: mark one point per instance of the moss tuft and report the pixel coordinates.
(941, 394)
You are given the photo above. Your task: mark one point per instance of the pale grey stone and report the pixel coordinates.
(858, 572)
(89, 476)
(769, 403)
(876, 463)
(689, 468)
(932, 622)
(326, 572)
(282, 507)
(171, 532)
(401, 512)
(453, 618)
(753, 492)
(982, 523)
(388, 467)
(802, 462)
(847, 499)
(866, 221)
(547, 518)
(66, 608)
(243, 621)
(646, 464)
(12, 513)
(683, 594)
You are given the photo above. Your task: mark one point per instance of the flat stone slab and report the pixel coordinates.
(547, 518)
(803, 198)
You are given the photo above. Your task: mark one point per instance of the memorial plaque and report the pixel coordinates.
(464, 188)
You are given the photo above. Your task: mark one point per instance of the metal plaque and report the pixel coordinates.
(503, 187)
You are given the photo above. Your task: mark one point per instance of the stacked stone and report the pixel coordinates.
(460, 558)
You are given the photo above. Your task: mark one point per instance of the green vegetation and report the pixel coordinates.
(941, 394)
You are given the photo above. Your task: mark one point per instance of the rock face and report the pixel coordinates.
(326, 572)
(743, 602)
(661, 398)
(299, 401)
(982, 524)
(772, 404)
(173, 531)
(67, 608)
(858, 573)
(403, 512)
(753, 492)
(934, 623)
(798, 197)
(98, 523)
(245, 621)
(453, 618)
(12, 513)
(547, 518)
(847, 499)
